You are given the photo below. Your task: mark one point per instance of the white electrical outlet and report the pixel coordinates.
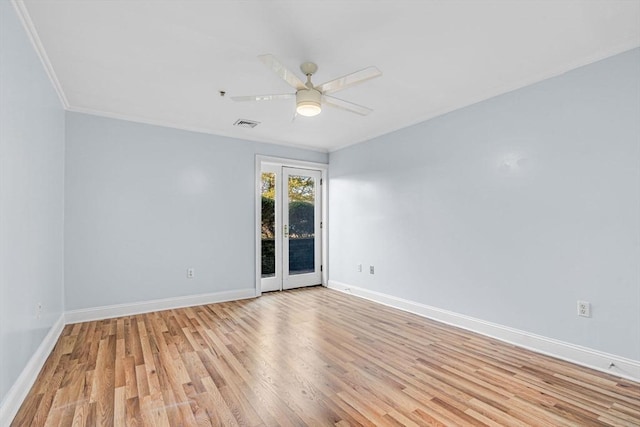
(190, 273)
(39, 310)
(359, 268)
(371, 270)
(584, 309)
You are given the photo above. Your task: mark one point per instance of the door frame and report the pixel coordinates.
(284, 162)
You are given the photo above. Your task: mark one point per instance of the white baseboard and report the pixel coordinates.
(594, 359)
(110, 311)
(22, 385)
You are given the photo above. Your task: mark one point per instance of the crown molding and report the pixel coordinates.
(32, 33)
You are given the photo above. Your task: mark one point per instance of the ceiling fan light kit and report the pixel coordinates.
(310, 98)
(308, 102)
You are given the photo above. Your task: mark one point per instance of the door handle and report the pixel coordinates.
(286, 231)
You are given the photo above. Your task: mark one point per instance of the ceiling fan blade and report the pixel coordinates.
(287, 75)
(349, 80)
(345, 105)
(263, 97)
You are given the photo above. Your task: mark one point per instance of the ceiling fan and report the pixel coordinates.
(310, 98)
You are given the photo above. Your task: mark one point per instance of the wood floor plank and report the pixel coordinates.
(133, 416)
(310, 357)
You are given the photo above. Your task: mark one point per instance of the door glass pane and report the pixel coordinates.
(268, 224)
(301, 224)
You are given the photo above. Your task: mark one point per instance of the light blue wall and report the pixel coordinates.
(144, 203)
(509, 210)
(31, 200)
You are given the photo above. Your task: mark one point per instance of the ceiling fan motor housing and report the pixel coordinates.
(308, 102)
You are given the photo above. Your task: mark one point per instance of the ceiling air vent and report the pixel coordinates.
(244, 123)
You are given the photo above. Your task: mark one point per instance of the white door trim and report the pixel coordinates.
(279, 161)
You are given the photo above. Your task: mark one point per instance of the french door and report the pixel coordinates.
(290, 227)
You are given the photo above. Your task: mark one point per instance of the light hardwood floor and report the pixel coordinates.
(309, 357)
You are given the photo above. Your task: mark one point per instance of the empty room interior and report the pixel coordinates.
(319, 213)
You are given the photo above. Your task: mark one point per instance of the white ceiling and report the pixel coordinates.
(164, 62)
